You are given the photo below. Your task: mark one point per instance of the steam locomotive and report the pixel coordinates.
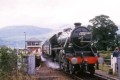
(72, 49)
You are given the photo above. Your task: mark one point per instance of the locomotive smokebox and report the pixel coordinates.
(77, 24)
(80, 36)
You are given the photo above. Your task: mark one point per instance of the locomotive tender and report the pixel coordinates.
(72, 49)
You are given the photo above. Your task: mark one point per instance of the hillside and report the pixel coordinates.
(14, 36)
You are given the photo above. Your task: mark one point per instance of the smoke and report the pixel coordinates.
(53, 65)
(43, 59)
(49, 63)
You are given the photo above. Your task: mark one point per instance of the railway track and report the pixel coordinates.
(105, 77)
(61, 73)
(87, 76)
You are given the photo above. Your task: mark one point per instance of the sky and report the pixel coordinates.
(56, 13)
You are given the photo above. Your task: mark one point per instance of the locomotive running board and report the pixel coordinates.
(85, 41)
(57, 48)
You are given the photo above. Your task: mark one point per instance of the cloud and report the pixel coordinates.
(54, 13)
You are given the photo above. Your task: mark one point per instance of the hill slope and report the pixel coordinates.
(14, 36)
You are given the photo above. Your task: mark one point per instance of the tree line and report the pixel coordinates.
(104, 32)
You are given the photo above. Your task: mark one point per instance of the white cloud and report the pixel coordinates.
(54, 13)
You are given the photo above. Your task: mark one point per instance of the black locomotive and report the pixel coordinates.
(72, 49)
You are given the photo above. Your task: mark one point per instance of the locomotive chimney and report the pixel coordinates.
(77, 24)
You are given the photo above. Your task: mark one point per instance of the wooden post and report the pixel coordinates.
(31, 64)
(118, 62)
(113, 64)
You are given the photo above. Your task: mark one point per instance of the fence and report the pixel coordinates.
(28, 63)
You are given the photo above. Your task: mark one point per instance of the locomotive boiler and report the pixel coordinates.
(72, 49)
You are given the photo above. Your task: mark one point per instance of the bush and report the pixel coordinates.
(8, 61)
(105, 54)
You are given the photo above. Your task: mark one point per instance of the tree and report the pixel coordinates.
(117, 40)
(104, 31)
(8, 59)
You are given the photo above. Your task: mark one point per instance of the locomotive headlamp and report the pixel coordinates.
(74, 61)
(86, 60)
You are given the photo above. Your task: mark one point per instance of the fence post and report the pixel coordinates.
(111, 61)
(113, 64)
(31, 64)
(118, 62)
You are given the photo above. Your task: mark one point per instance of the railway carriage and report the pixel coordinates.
(72, 49)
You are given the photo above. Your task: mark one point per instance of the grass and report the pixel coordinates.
(107, 59)
(104, 67)
(105, 54)
(107, 68)
(19, 76)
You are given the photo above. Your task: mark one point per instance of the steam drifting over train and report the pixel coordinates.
(72, 49)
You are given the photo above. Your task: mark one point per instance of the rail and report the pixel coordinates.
(96, 76)
(105, 77)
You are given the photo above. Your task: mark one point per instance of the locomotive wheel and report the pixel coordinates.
(65, 65)
(71, 68)
(61, 64)
(65, 69)
(92, 70)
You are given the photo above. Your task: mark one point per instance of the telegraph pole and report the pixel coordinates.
(25, 42)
